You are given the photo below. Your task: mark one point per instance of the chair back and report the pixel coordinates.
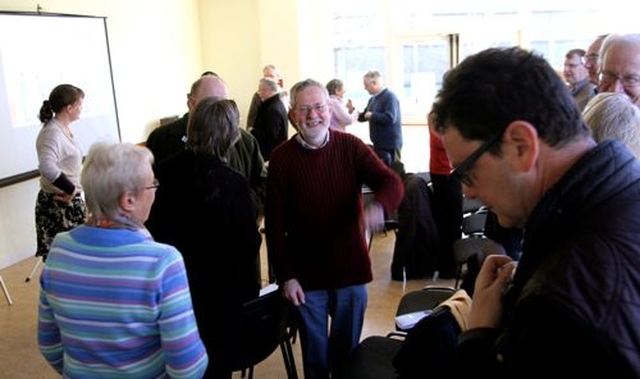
(476, 248)
(263, 326)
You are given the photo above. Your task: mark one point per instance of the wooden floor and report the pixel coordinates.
(20, 358)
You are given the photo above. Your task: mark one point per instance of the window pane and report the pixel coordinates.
(424, 63)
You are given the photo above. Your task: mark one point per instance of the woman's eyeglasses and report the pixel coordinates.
(155, 185)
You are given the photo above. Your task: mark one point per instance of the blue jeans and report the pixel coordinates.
(323, 348)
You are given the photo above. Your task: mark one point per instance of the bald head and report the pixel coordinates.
(207, 86)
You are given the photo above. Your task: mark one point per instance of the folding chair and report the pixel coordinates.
(372, 358)
(465, 248)
(416, 303)
(263, 327)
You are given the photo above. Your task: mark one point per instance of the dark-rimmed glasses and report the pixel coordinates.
(155, 185)
(461, 171)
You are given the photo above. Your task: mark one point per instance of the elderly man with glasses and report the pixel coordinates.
(315, 223)
(620, 65)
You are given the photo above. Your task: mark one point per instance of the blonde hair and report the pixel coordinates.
(612, 115)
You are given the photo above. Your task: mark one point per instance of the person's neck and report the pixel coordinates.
(64, 124)
(315, 143)
(121, 221)
(62, 120)
(559, 161)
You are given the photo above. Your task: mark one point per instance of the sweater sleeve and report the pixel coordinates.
(341, 113)
(184, 351)
(49, 339)
(386, 184)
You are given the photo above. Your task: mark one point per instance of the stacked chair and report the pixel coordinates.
(383, 357)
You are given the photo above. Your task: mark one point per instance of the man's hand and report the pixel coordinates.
(293, 292)
(374, 217)
(493, 278)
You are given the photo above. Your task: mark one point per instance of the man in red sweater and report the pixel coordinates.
(315, 224)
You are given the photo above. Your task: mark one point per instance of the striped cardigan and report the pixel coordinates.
(115, 303)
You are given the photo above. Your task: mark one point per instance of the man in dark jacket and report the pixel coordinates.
(245, 157)
(271, 126)
(518, 143)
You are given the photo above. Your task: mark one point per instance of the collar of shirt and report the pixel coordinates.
(304, 144)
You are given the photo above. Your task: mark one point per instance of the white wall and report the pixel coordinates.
(155, 55)
(158, 48)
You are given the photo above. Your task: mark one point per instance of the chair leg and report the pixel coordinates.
(458, 274)
(6, 291)
(289, 360)
(33, 270)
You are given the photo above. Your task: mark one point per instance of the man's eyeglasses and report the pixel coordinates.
(591, 58)
(608, 78)
(461, 171)
(155, 185)
(304, 109)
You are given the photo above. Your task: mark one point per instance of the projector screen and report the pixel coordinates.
(38, 52)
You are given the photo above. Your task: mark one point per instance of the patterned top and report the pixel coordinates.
(115, 303)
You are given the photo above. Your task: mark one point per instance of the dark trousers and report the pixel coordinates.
(447, 211)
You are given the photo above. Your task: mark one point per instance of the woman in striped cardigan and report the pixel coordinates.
(113, 302)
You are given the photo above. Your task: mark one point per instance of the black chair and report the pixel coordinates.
(473, 225)
(466, 248)
(380, 357)
(471, 205)
(372, 358)
(263, 326)
(425, 299)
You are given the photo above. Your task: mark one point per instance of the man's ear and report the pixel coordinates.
(191, 102)
(523, 146)
(292, 118)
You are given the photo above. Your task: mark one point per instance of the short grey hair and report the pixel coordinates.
(108, 171)
(373, 76)
(304, 84)
(632, 39)
(269, 84)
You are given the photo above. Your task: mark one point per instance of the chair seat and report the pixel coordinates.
(372, 359)
(421, 300)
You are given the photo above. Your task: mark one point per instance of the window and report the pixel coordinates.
(414, 42)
